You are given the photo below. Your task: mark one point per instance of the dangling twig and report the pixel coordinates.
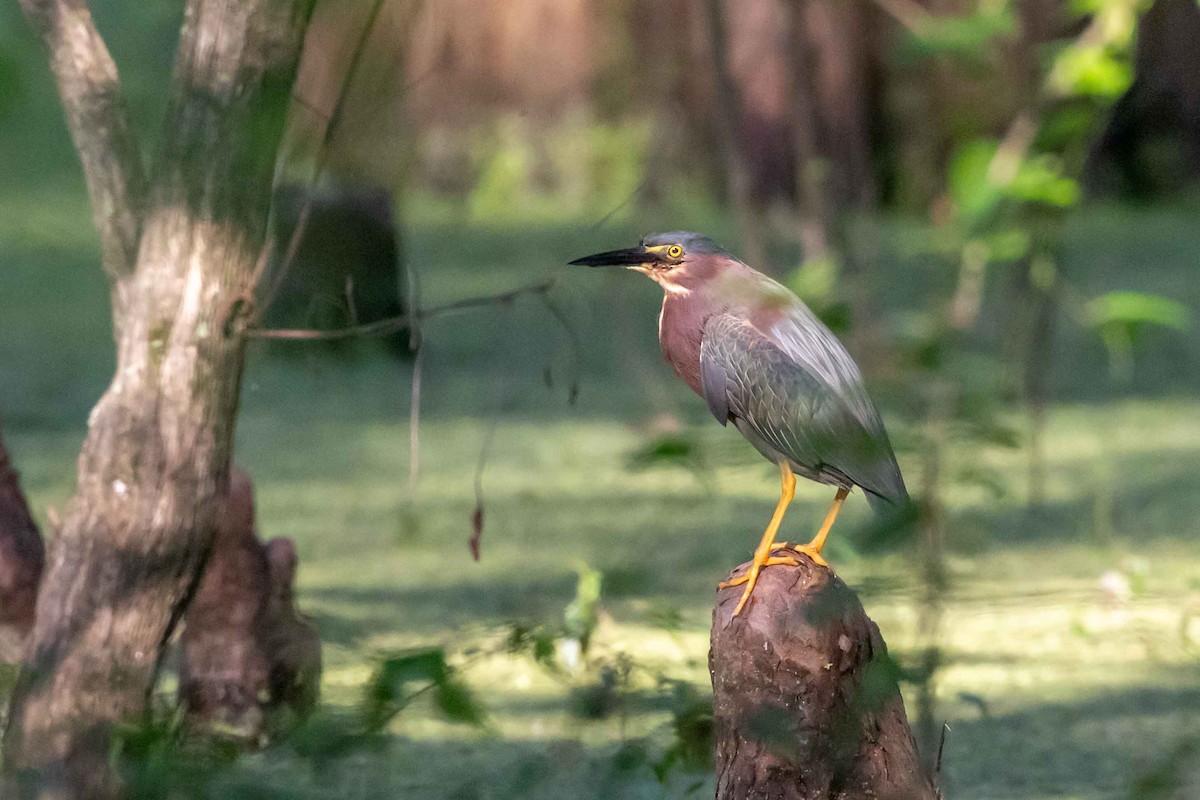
(477, 516)
(414, 422)
(572, 344)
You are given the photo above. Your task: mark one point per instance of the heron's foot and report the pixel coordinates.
(770, 562)
(750, 578)
(813, 552)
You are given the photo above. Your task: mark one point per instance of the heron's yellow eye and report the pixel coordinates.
(674, 251)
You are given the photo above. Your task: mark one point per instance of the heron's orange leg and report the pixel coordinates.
(812, 549)
(762, 555)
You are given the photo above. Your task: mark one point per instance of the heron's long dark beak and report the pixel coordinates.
(629, 257)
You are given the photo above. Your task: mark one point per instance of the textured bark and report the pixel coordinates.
(805, 703)
(292, 642)
(98, 122)
(156, 459)
(21, 560)
(223, 670)
(248, 661)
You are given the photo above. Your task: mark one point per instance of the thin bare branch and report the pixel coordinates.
(414, 422)
(572, 342)
(412, 302)
(1013, 149)
(392, 324)
(504, 298)
(380, 327)
(629, 198)
(98, 121)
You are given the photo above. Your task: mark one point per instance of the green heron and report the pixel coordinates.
(763, 361)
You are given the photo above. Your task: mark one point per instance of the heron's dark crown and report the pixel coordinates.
(691, 242)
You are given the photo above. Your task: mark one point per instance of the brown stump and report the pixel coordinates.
(249, 663)
(22, 557)
(805, 700)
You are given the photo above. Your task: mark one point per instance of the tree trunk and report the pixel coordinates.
(726, 111)
(812, 167)
(21, 560)
(839, 35)
(156, 459)
(805, 701)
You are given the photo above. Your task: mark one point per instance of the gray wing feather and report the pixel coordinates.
(812, 345)
(713, 379)
(798, 410)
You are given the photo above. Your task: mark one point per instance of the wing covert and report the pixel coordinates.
(791, 408)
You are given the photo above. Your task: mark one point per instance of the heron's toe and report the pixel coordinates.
(812, 552)
(773, 561)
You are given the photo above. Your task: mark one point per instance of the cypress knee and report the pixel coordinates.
(22, 557)
(805, 700)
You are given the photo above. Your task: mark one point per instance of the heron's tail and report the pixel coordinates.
(895, 516)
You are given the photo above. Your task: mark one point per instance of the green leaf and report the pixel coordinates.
(1040, 180)
(543, 648)
(973, 195)
(387, 692)
(457, 703)
(391, 689)
(1090, 71)
(1132, 310)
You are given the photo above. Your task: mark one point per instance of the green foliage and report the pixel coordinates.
(600, 694)
(390, 689)
(1122, 318)
(582, 614)
(973, 194)
(691, 747)
(1096, 64)
(536, 642)
(816, 283)
(1040, 179)
(156, 761)
(979, 182)
(1132, 312)
(581, 166)
(1091, 71)
(964, 37)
